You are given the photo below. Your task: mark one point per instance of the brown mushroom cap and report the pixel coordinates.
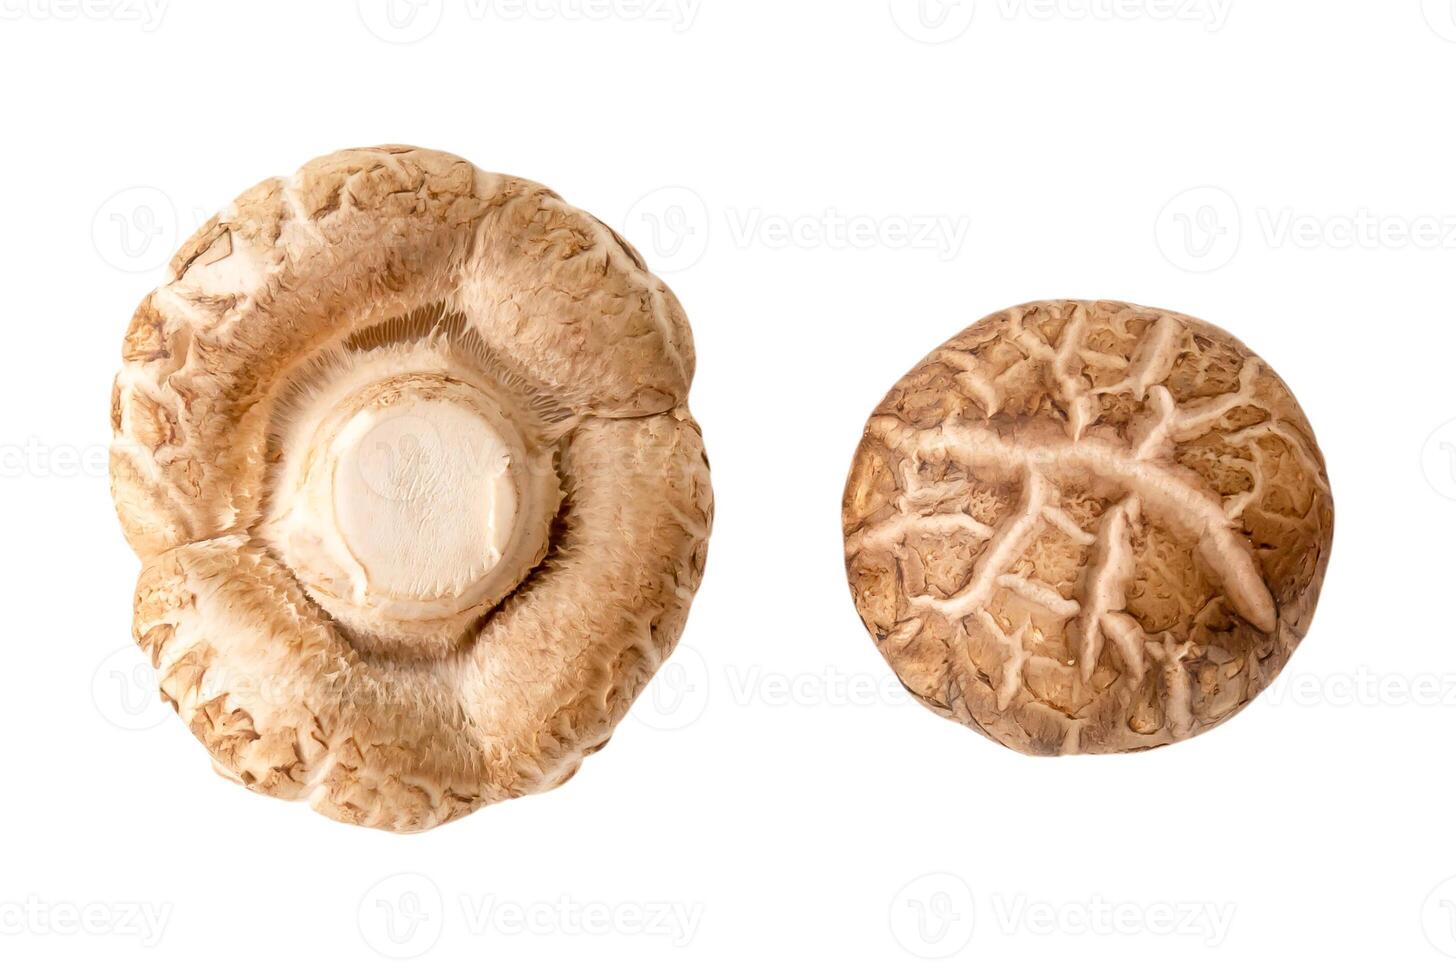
(1088, 527)
(405, 451)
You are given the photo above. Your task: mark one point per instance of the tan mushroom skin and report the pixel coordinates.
(1088, 527)
(405, 450)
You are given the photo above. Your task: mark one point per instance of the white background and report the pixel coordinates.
(1280, 168)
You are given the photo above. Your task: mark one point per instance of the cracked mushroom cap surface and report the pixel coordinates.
(405, 451)
(1088, 527)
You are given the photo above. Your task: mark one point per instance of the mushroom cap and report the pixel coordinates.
(1088, 527)
(405, 451)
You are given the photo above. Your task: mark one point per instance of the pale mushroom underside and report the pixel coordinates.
(405, 450)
